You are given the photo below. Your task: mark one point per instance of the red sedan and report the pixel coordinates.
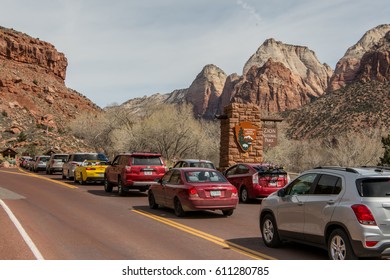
(193, 189)
(256, 180)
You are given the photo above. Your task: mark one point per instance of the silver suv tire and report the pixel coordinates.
(339, 246)
(269, 231)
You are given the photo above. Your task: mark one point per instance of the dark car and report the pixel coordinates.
(194, 163)
(256, 180)
(193, 189)
(134, 171)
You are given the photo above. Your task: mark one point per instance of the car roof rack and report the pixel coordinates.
(377, 168)
(347, 169)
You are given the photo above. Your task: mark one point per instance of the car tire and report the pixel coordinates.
(81, 181)
(227, 213)
(63, 176)
(269, 231)
(152, 201)
(121, 191)
(107, 185)
(244, 196)
(339, 246)
(179, 212)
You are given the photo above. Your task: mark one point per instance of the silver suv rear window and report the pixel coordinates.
(378, 187)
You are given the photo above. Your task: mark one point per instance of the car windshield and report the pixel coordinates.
(44, 159)
(204, 176)
(147, 160)
(378, 187)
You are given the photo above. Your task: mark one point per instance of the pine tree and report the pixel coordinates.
(385, 160)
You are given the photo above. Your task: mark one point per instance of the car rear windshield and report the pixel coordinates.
(378, 187)
(147, 160)
(82, 157)
(264, 171)
(202, 164)
(204, 176)
(60, 157)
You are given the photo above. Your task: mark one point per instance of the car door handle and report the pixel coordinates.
(330, 202)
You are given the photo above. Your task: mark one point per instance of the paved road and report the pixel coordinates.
(67, 221)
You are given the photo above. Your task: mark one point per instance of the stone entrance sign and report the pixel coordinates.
(235, 145)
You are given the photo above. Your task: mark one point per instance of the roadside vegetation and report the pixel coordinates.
(170, 130)
(174, 132)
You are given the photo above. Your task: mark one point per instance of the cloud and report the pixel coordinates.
(251, 10)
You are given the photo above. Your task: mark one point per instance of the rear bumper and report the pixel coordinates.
(261, 192)
(383, 251)
(210, 204)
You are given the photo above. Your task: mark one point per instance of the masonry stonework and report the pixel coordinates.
(230, 150)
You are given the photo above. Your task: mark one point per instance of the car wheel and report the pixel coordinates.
(228, 213)
(339, 246)
(152, 201)
(107, 185)
(121, 191)
(244, 196)
(269, 231)
(179, 212)
(63, 175)
(81, 181)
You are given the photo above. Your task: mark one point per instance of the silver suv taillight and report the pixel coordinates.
(363, 214)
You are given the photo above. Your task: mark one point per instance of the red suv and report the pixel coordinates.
(256, 180)
(134, 171)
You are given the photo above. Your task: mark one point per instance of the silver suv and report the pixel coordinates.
(344, 210)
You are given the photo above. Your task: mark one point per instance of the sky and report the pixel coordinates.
(123, 49)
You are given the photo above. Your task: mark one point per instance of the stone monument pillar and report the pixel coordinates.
(241, 135)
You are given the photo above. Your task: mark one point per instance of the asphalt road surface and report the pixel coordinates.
(45, 217)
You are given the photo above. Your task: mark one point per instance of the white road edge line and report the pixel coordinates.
(22, 232)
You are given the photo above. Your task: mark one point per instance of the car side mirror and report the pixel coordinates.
(281, 192)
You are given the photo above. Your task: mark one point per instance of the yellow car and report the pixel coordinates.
(90, 171)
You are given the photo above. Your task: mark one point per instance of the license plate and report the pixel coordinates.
(148, 173)
(100, 174)
(215, 193)
(272, 184)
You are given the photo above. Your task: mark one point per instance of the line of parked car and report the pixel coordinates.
(343, 210)
(190, 185)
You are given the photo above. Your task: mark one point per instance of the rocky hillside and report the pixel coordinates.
(35, 104)
(363, 98)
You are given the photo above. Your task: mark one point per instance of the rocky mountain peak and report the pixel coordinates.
(349, 66)
(205, 91)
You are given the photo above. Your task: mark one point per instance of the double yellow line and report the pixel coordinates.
(219, 241)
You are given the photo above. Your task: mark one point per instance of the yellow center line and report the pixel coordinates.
(219, 241)
(24, 173)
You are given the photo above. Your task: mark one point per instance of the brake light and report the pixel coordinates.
(234, 192)
(255, 178)
(192, 192)
(90, 168)
(371, 243)
(363, 214)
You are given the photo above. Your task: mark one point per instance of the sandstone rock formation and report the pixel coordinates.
(278, 77)
(33, 95)
(205, 91)
(348, 66)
